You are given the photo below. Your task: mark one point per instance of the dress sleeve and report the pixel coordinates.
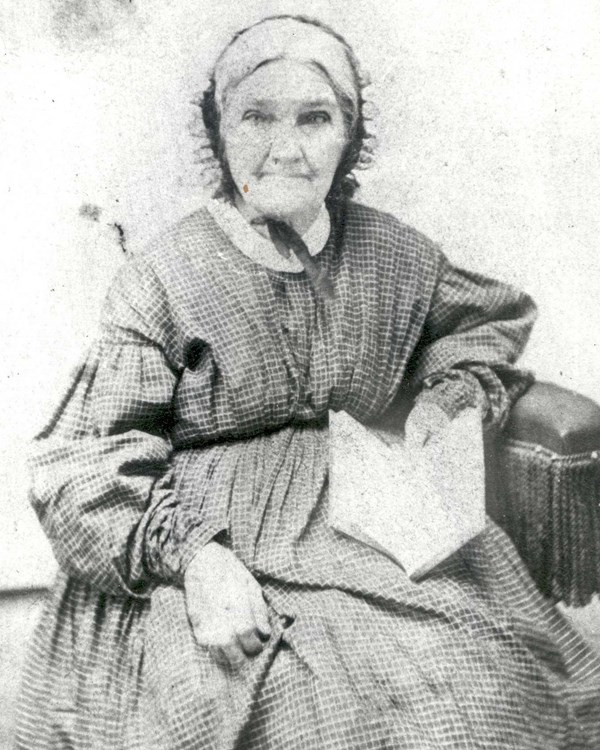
(102, 467)
(475, 330)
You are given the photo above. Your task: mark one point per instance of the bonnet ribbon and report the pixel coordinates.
(285, 238)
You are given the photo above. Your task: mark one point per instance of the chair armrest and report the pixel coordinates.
(556, 418)
(544, 489)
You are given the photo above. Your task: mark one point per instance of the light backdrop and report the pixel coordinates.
(487, 118)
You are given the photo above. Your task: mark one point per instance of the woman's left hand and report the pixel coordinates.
(425, 421)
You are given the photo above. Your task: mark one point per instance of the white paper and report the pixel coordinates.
(416, 507)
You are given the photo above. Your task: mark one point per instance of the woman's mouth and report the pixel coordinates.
(284, 176)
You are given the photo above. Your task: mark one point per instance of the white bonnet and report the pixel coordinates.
(287, 38)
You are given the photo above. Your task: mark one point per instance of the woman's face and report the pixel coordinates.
(284, 135)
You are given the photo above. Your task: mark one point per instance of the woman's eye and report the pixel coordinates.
(255, 117)
(315, 118)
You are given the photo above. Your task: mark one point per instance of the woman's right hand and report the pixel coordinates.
(225, 606)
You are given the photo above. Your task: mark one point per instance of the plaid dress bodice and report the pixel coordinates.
(253, 349)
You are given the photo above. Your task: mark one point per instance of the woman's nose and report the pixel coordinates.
(285, 145)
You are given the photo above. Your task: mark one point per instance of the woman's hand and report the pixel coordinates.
(425, 421)
(225, 606)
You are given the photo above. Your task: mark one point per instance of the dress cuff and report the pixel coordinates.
(454, 391)
(171, 541)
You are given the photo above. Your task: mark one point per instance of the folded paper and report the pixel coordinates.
(416, 506)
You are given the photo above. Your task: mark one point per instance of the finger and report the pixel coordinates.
(245, 625)
(250, 643)
(208, 630)
(202, 637)
(260, 610)
(211, 637)
(224, 649)
(232, 651)
(219, 657)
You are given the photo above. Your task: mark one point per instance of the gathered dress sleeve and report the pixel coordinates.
(475, 330)
(102, 466)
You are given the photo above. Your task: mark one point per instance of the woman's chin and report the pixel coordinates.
(276, 202)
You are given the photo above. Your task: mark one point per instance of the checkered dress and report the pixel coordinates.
(202, 409)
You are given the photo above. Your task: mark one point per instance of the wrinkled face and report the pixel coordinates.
(284, 136)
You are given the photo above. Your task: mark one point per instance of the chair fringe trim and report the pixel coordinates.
(550, 507)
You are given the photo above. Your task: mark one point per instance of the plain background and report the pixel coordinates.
(487, 119)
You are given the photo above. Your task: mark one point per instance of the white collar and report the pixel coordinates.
(260, 249)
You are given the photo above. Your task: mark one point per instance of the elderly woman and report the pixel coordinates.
(203, 600)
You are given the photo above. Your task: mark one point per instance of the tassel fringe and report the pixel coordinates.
(549, 504)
